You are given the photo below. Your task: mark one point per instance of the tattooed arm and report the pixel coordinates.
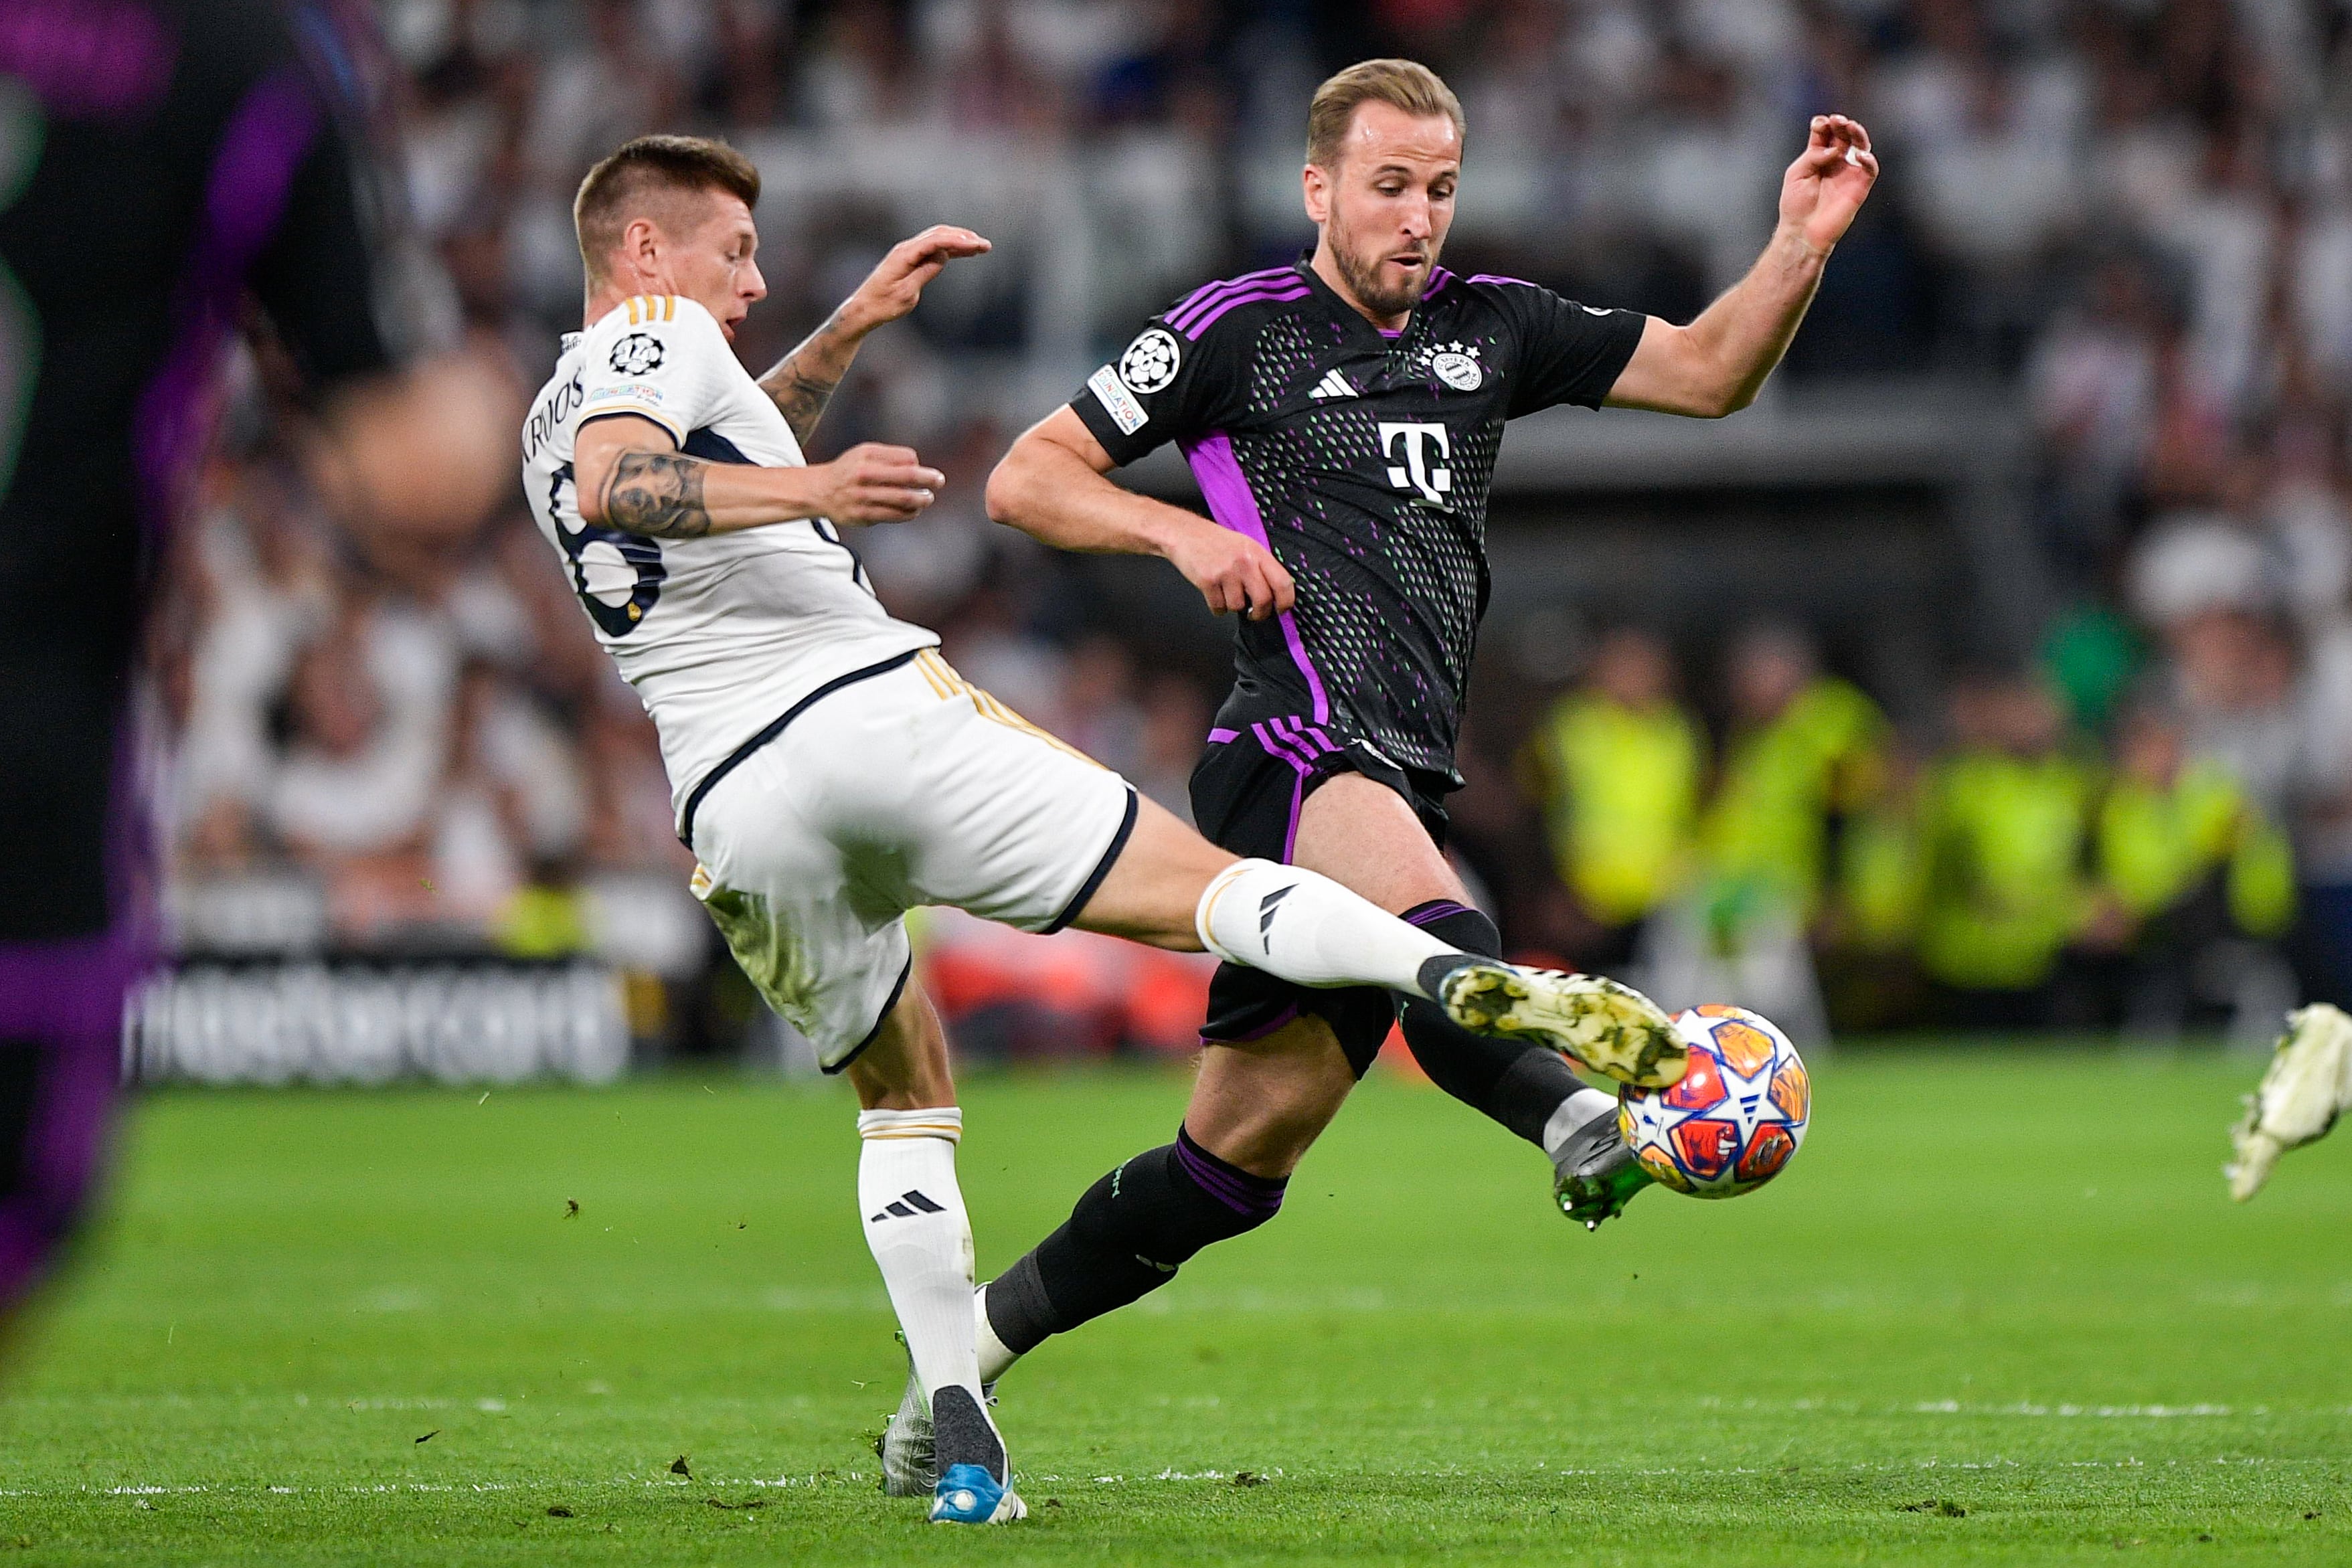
(805, 382)
(629, 475)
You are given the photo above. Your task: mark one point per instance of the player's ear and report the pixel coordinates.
(641, 242)
(1317, 190)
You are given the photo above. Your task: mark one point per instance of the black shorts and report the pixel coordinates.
(1247, 791)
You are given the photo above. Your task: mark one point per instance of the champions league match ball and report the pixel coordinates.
(1736, 1117)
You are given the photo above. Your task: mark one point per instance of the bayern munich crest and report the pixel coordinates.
(1459, 368)
(1149, 362)
(637, 354)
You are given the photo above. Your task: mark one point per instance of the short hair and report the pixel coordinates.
(1407, 85)
(649, 163)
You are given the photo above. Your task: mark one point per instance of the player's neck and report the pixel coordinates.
(1327, 266)
(607, 297)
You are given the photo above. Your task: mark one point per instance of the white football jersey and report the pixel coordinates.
(719, 635)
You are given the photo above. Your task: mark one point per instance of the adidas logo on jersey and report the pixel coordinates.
(906, 1206)
(1333, 385)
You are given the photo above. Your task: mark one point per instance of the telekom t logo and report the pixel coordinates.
(1421, 468)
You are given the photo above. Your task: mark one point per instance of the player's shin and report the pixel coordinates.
(1518, 1083)
(1126, 1237)
(922, 1239)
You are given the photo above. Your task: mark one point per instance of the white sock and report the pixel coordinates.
(921, 1238)
(1570, 1118)
(1307, 929)
(996, 1358)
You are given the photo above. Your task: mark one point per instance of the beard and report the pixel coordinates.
(1362, 271)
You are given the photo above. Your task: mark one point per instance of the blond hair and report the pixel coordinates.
(1407, 85)
(615, 188)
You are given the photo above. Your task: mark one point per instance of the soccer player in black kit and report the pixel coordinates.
(1342, 417)
(162, 163)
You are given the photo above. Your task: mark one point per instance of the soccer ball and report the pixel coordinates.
(1736, 1118)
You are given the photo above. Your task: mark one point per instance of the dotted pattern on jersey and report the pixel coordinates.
(1388, 608)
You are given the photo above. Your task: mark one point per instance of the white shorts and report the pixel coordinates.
(889, 790)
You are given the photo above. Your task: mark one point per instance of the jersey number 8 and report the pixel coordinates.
(617, 575)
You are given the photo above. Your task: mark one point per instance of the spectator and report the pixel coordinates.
(1806, 751)
(1615, 766)
(2191, 874)
(2005, 820)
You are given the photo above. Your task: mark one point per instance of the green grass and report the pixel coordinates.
(2008, 1283)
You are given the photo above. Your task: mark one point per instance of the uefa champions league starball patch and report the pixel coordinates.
(1151, 362)
(637, 354)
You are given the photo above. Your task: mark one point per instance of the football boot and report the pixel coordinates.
(1610, 1027)
(2308, 1086)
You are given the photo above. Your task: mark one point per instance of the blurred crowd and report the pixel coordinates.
(2132, 219)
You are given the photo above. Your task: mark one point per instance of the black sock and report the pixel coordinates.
(1518, 1084)
(1126, 1238)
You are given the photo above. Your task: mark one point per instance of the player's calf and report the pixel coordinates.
(1127, 1235)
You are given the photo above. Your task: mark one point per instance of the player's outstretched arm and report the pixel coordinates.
(803, 382)
(630, 476)
(1716, 365)
(1052, 486)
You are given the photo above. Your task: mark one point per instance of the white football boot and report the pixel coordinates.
(1605, 1024)
(2309, 1083)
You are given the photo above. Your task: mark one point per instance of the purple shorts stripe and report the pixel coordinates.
(1272, 744)
(1233, 506)
(1434, 911)
(1308, 738)
(1204, 296)
(1290, 833)
(1280, 1018)
(1221, 734)
(1201, 323)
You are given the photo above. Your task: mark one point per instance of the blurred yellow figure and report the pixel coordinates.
(1805, 747)
(2004, 825)
(2172, 828)
(1616, 766)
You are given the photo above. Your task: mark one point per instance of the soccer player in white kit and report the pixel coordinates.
(831, 772)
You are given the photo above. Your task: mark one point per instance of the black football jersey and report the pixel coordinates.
(163, 164)
(159, 161)
(1362, 460)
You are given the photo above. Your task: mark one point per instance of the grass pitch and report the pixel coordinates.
(1998, 1310)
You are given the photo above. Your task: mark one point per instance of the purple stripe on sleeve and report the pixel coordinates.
(1438, 278)
(1221, 734)
(1200, 298)
(1499, 277)
(1233, 504)
(1202, 322)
